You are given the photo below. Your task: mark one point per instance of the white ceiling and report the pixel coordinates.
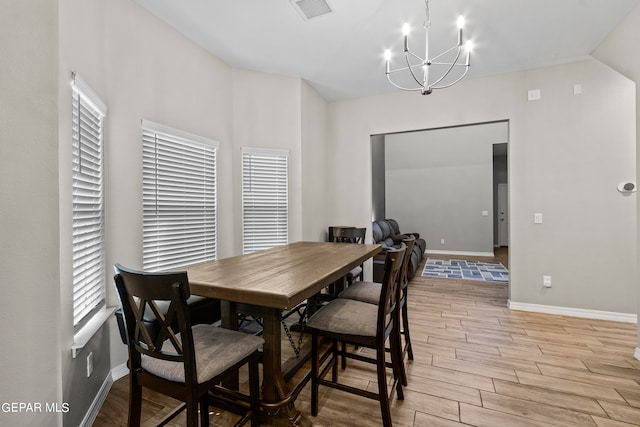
(341, 54)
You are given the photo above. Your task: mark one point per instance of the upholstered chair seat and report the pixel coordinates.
(347, 317)
(216, 350)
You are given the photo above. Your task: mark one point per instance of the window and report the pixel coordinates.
(88, 114)
(265, 208)
(179, 197)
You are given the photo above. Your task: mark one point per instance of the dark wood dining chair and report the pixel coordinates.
(363, 325)
(370, 292)
(187, 362)
(343, 234)
(351, 235)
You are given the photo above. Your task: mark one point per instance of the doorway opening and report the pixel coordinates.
(450, 184)
(501, 195)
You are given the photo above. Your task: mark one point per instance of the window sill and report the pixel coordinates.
(82, 337)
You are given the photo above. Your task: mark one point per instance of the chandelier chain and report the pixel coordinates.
(427, 22)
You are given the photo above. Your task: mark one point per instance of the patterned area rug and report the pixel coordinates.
(466, 270)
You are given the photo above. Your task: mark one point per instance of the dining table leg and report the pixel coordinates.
(229, 320)
(272, 353)
(274, 386)
(277, 402)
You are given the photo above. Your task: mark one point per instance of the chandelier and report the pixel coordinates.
(449, 61)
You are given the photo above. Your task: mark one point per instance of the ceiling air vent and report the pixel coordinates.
(310, 9)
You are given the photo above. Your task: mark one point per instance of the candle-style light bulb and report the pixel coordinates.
(460, 27)
(405, 32)
(387, 58)
(469, 47)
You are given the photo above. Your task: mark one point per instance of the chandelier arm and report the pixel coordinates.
(455, 64)
(400, 87)
(406, 68)
(456, 81)
(459, 47)
(406, 55)
(422, 60)
(449, 70)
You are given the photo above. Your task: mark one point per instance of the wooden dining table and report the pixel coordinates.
(266, 283)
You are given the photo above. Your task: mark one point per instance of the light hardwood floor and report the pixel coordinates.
(477, 363)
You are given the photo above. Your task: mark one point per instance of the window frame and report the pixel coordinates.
(263, 226)
(168, 148)
(88, 115)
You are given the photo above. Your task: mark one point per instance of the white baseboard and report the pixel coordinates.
(94, 409)
(119, 371)
(115, 374)
(575, 312)
(637, 353)
(459, 253)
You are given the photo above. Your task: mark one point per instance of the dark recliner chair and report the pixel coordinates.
(387, 233)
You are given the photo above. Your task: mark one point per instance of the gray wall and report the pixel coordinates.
(378, 186)
(29, 272)
(440, 181)
(614, 51)
(77, 40)
(500, 176)
(142, 69)
(567, 154)
(314, 164)
(554, 144)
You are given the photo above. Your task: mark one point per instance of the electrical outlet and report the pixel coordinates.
(442, 241)
(546, 281)
(89, 364)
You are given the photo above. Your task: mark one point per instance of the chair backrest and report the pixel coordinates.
(389, 294)
(404, 271)
(395, 228)
(138, 290)
(349, 235)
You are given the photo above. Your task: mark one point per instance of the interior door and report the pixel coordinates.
(503, 214)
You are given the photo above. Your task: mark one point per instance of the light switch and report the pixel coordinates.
(485, 213)
(537, 218)
(577, 89)
(533, 95)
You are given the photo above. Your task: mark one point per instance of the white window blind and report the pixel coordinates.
(179, 197)
(88, 113)
(265, 209)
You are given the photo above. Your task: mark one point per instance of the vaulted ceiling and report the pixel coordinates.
(340, 54)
